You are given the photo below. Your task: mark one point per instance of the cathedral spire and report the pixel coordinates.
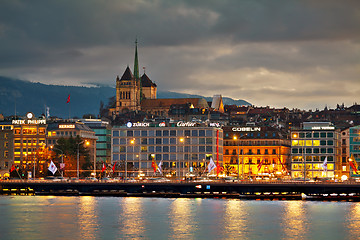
(136, 69)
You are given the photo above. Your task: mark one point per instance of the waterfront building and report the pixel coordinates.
(6, 148)
(55, 131)
(317, 145)
(354, 150)
(30, 143)
(345, 152)
(183, 148)
(256, 152)
(102, 131)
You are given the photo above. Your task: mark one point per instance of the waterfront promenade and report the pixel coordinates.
(214, 189)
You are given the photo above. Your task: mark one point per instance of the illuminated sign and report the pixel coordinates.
(185, 124)
(29, 121)
(215, 125)
(67, 126)
(246, 129)
(322, 128)
(162, 124)
(130, 124)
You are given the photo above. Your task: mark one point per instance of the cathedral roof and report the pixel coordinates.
(146, 82)
(167, 102)
(127, 75)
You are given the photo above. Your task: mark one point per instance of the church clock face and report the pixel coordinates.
(29, 115)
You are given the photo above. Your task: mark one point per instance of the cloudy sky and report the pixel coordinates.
(295, 54)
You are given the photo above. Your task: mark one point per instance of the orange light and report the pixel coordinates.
(132, 141)
(181, 139)
(295, 135)
(87, 143)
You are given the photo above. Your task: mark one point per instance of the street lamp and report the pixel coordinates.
(77, 162)
(242, 156)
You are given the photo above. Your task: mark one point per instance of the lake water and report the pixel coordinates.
(48, 217)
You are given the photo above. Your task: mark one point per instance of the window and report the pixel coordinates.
(316, 142)
(323, 134)
(172, 140)
(158, 148)
(151, 141)
(6, 144)
(323, 142)
(172, 132)
(166, 149)
(266, 151)
(158, 140)
(330, 135)
(323, 150)
(202, 133)
(316, 150)
(208, 148)
(274, 151)
(258, 151)
(308, 150)
(144, 133)
(6, 154)
(166, 133)
(165, 140)
(330, 150)
(330, 142)
(187, 132)
(172, 148)
(194, 133)
(158, 133)
(137, 133)
(130, 133)
(295, 150)
(143, 141)
(115, 133)
(115, 141)
(122, 149)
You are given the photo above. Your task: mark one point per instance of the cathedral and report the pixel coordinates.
(131, 89)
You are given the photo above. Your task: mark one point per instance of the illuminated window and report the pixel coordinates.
(6, 135)
(6, 144)
(295, 143)
(6, 154)
(308, 142)
(316, 142)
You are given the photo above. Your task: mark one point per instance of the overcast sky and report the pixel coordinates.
(295, 54)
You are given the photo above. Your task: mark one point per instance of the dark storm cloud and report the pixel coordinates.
(255, 49)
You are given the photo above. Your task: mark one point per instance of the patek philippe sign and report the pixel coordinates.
(185, 124)
(246, 129)
(29, 121)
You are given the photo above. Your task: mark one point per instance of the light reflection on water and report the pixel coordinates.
(35, 217)
(294, 222)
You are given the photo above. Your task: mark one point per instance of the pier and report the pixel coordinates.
(243, 190)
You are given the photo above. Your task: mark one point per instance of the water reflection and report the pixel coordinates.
(235, 223)
(354, 221)
(88, 218)
(132, 218)
(182, 220)
(294, 222)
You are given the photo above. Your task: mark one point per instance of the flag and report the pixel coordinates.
(211, 165)
(324, 165)
(353, 164)
(68, 99)
(153, 165)
(12, 168)
(62, 166)
(159, 167)
(103, 168)
(260, 165)
(113, 168)
(52, 167)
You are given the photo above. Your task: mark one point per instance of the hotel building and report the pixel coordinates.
(6, 148)
(354, 147)
(184, 148)
(29, 143)
(253, 152)
(312, 145)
